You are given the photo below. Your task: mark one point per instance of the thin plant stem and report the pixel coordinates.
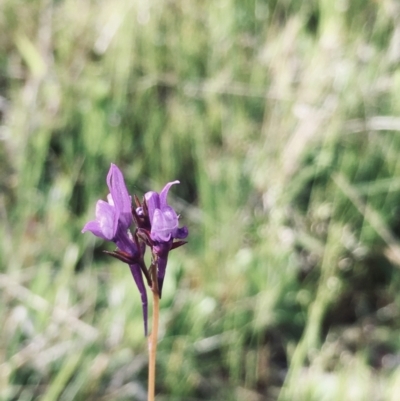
(153, 338)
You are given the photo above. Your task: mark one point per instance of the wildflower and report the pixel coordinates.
(164, 228)
(113, 219)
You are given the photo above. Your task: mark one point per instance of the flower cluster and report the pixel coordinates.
(157, 226)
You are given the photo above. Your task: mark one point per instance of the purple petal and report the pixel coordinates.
(137, 276)
(180, 233)
(110, 200)
(164, 223)
(164, 194)
(107, 217)
(94, 228)
(153, 202)
(120, 196)
(106, 221)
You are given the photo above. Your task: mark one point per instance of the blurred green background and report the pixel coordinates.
(281, 119)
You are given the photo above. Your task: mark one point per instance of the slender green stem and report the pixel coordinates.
(153, 338)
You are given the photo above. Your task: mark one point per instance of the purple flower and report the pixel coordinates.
(164, 223)
(113, 219)
(157, 225)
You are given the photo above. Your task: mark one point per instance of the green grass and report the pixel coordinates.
(270, 115)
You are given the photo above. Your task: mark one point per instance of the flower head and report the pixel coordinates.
(113, 219)
(115, 216)
(164, 228)
(163, 218)
(157, 226)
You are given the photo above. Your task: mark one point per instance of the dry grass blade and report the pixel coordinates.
(23, 294)
(372, 216)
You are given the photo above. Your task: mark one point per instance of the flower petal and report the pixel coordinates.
(164, 223)
(94, 228)
(164, 194)
(107, 218)
(180, 233)
(120, 196)
(153, 203)
(110, 200)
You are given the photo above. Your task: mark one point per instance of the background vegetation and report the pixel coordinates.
(281, 119)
